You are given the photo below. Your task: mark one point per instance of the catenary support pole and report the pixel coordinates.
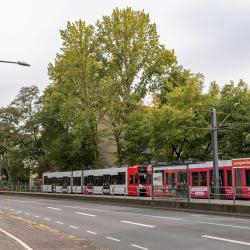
(216, 181)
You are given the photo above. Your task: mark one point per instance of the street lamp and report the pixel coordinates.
(19, 63)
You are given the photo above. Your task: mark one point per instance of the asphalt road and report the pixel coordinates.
(130, 228)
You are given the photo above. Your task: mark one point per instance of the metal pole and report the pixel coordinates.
(19, 63)
(152, 184)
(215, 154)
(188, 183)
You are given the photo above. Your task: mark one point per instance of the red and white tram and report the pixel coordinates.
(168, 180)
(131, 180)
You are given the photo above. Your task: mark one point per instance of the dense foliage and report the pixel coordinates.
(99, 82)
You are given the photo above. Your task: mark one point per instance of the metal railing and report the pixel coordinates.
(226, 195)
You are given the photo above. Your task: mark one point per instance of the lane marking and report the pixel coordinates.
(91, 232)
(12, 209)
(91, 215)
(73, 227)
(138, 214)
(27, 213)
(138, 224)
(45, 218)
(16, 239)
(49, 204)
(185, 220)
(198, 215)
(59, 222)
(55, 208)
(114, 239)
(140, 247)
(37, 216)
(228, 240)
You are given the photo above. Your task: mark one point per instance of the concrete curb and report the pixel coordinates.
(225, 209)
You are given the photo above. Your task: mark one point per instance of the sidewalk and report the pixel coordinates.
(36, 236)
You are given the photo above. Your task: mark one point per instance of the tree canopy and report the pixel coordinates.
(99, 81)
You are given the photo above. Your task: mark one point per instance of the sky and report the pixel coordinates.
(211, 37)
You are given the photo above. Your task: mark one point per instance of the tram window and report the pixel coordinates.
(106, 180)
(195, 179)
(53, 181)
(65, 181)
(238, 177)
(203, 178)
(211, 177)
(229, 177)
(121, 178)
(149, 179)
(170, 178)
(248, 178)
(98, 181)
(131, 179)
(46, 180)
(136, 179)
(59, 181)
(114, 179)
(86, 181)
(182, 178)
(143, 178)
(90, 180)
(76, 181)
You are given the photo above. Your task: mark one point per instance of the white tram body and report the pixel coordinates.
(57, 182)
(106, 181)
(97, 181)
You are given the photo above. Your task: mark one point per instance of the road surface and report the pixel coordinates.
(129, 228)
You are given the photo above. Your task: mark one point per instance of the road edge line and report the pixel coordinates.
(16, 239)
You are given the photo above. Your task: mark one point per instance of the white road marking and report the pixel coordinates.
(49, 204)
(45, 218)
(140, 247)
(185, 220)
(228, 240)
(59, 222)
(74, 227)
(12, 209)
(91, 232)
(91, 215)
(110, 238)
(37, 216)
(138, 224)
(27, 213)
(197, 215)
(143, 215)
(55, 208)
(18, 211)
(16, 239)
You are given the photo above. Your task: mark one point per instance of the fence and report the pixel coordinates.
(220, 195)
(20, 187)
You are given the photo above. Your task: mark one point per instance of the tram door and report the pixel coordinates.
(106, 184)
(238, 180)
(222, 182)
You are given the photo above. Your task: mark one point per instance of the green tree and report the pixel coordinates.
(74, 100)
(176, 128)
(235, 102)
(133, 61)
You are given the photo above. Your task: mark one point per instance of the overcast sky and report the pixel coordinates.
(209, 36)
